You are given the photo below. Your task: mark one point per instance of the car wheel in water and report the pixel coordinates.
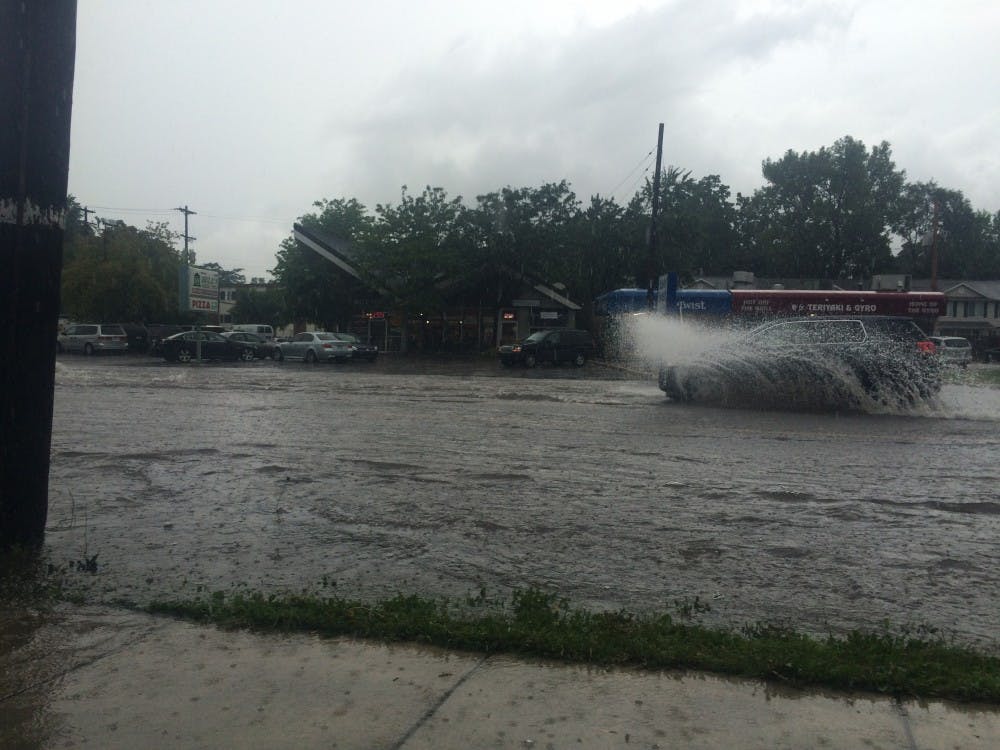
(277, 356)
(88, 349)
(529, 360)
(184, 356)
(311, 357)
(579, 360)
(247, 355)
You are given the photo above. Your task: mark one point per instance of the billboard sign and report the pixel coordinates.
(199, 290)
(768, 302)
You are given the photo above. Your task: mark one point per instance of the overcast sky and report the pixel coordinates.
(250, 111)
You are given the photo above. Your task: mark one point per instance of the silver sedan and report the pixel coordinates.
(314, 346)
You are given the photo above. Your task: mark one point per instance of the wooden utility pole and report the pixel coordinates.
(650, 257)
(187, 253)
(934, 248)
(37, 51)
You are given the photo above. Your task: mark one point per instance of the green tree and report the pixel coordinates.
(419, 249)
(695, 228)
(529, 230)
(936, 220)
(603, 252)
(313, 288)
(826, 213)
(261, 306)
(122, 274)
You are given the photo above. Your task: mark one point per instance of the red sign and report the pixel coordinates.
(768, 302)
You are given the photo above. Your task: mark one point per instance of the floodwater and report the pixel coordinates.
(365, 481)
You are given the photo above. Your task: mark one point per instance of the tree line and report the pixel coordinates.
(843, 212)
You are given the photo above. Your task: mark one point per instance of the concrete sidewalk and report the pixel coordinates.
(105, 678)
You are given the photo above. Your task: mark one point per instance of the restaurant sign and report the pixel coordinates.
(199, 290)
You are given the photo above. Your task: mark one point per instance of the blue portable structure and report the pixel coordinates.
(668, 300)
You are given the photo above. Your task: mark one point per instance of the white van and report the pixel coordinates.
(264, 331)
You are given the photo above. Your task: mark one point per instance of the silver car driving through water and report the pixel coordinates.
(814, 362)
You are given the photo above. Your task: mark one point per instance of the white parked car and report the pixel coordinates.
(953, 349)
(93, 338)
(314, 346)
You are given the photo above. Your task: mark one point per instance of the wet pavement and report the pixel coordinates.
(97, 677)
(448, 477)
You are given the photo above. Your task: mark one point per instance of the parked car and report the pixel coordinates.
(991, 355)
(953, 349)
(93, 338)
(158, 332)
(314, 346)
(138, 337)
(556, 345)
(813, 361)
(359, 349)
(266, 332)
(183, 347)
(262, 348)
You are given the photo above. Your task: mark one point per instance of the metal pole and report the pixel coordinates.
(37, 54)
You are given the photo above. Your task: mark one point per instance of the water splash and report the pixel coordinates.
(732, 374)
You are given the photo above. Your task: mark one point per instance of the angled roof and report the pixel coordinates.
(987, 289)
(337, 251)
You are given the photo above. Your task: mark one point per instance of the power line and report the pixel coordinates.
(168, 211)
(163, 211)
(632, 171)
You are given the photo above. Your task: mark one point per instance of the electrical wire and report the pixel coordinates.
(643, 160)
(171, 211)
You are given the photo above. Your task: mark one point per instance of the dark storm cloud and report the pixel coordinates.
(545, 108)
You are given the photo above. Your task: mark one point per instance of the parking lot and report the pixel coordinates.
(447, 476)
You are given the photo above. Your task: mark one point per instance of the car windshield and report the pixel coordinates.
(536, 336)
(810, 332)
(897, 329)
(327, 337)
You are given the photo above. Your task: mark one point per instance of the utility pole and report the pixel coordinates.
(650, 261)
(37, 54)
(934, 251)
(187, 212)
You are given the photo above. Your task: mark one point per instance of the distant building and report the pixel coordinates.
(480, 311)
(973, 311)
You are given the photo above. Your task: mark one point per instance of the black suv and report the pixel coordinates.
(556, 345)
(843, 362)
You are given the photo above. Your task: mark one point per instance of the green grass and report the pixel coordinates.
(537, 624)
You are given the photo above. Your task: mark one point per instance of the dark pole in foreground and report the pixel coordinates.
(37, 51)
(650, 265)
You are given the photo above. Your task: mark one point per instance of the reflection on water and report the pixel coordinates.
(351, 481)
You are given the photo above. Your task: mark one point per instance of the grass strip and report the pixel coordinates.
(538, 624)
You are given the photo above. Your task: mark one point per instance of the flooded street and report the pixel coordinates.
(364, 481)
